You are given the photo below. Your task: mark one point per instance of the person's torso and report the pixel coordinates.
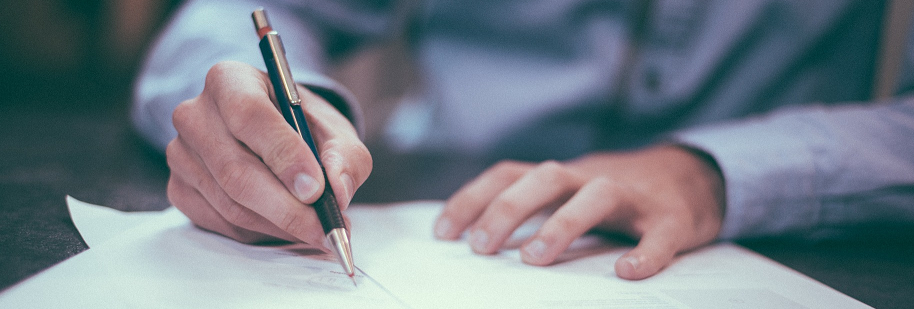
(554, 79)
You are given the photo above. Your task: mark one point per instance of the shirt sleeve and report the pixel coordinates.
(205, 32)
(814, 172)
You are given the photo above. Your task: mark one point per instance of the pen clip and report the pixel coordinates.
(271, 44)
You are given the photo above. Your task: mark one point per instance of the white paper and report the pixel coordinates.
(166, 262)
(427, 273)
(97, 224)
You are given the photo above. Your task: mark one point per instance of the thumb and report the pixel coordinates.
(241, 97)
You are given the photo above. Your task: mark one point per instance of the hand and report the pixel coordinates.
(238, 169)
(666, 196)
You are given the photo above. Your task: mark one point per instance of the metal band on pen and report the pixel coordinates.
(289, 104)
(279, 52)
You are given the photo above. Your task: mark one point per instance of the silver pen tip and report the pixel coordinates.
(339, 242)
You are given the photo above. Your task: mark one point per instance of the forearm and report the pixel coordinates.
(813, 172)
(205, 32)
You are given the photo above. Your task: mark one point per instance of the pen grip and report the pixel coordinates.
(327, 210)
(326, 206)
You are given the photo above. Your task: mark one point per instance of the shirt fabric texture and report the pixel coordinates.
(777, 92)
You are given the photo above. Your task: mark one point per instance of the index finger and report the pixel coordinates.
(465, 206)
(244, 103)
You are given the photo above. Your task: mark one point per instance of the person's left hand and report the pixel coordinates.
(666, 196)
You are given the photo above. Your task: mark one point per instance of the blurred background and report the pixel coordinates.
(66, 69)
(66, 74)
(55, 51)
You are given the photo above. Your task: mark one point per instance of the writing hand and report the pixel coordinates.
(238, 169)
(665, 196)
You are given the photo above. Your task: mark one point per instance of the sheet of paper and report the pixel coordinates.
(166, 262)
(427, 273)
(97, 224)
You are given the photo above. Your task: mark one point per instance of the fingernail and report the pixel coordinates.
(633, 261)
(305, 186)
(479, 240)
(442, 228)
(535, 249)
(348, 184)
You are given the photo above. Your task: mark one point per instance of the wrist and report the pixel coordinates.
(709, 171)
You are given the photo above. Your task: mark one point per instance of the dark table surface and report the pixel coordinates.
(85, 148)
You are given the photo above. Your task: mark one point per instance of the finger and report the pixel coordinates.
(593, 203)
(546, 184)
(470, 201)
(242, 175)
(241, 94)
(197, 209)
(188, 169)
(345, 158)
(654, 251)
(347, 166)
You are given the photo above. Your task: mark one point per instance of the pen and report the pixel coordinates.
(289, 103)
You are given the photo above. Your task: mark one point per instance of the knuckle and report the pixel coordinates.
(611, 189)
(335, 152)
(551, 165)
(171, 154)
(204, 184)
(236, 179)
(292, 224)
(238, 115)
(339, 146)
(332, 145)
(507, 206)
(223, 86)
(359, 151)
(363, 155)
(566, 223)
(507, 166)
(505, 171)
(551, 172)
(182, 115)
(220, 71)
(237, 216)
(218, 68)
(281, 155)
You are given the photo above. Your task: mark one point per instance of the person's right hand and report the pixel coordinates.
(238, 169)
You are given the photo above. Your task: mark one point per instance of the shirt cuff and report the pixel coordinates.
(769, 175)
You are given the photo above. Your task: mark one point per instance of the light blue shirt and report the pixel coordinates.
(774, 91)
